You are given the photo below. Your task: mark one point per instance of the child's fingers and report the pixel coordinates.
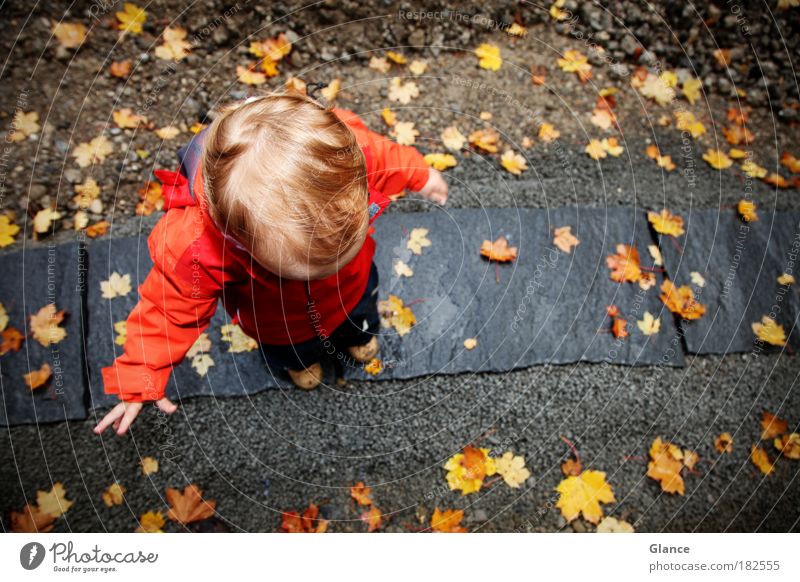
(112, 416)
(128, 418)
(166, 405)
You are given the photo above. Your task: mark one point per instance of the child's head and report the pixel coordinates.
(286, 178)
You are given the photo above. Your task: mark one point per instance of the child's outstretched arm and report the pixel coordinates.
(170, 316)
(396, 167)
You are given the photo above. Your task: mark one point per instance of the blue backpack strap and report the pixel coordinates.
(190, 157)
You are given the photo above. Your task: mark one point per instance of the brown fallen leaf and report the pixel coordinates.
(38, 378)
(772, 426)
(761, 460)
(189, 506)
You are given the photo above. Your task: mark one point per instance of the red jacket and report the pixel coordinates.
(195, 265)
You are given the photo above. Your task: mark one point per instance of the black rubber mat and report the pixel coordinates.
(740, 263)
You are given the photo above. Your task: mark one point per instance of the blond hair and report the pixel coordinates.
(287, 179)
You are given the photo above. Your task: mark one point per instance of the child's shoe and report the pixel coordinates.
(365, 353)
(307, 379)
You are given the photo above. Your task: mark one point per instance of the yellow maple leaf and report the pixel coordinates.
(658, 88)
(394, 313)
(769, 331)
(417, 67)
(175, 46)
(239, 341)
(753, 170)
(611, 145)
(149, 465)
(380, 64)
(595, 149)
(649, 325)
(665, 222)
(400, 92)
(248, 76)
(121, 329)
(498, 250)
(389, 116)
(168, 132)
(116, 286)
(23, 125)
(331, 91)
(548, 132)
(8, 230)
(126, 119)
(747, 210)
(405, 133)
(686, 121)
(717, 159)
(512, 469)
(417, 240)
(86, 195)
(440, 162)
(202, 363)
(583, 495)
(614, 525)
(54, 502)
(576, 62)
(513, 162)
(151, 522)
(93, 152)
(761, 460)
(113, 495)
(564, 239)
(69, 34)
(467, 470)
(131, 18)
(45, 324)
(489, 57)
(691, 89)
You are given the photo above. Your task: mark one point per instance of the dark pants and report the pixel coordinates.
(359, 327)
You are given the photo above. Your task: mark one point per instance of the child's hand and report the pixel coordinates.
(124, 413)
(435, 189)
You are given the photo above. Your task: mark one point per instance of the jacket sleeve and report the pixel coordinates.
(169, 317)
(395, 167)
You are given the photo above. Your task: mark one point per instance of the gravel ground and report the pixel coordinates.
(280, 450)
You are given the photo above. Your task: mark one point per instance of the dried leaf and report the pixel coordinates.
(498, 250)
(717, 159)
(576, 62)
(54, 502)
(93, 152)
(512, 469)
(38, 378)
(69, 34)
(564, 239)
(114, 495)
(681, 300)
(131, 18)
(447, 521)
(772, 426)
(45, 325)
(189, 506)
(149, 465)
(239, 341)
(373, 518)
(8, 230)
(151, 522)
(417, 240)
(769, 331)
(761, 460)
(485, 139)
(116, 286)
(614, 525)
(405, 133)
(665, 222)
(489, 57)
(31, 520)
(395, 314)
(724, 443)
(467, 470)
(666, 463)
(361, 493)
(400, 92)
(583, 495)
(649, 325)
(624, 265)
(513, 162)
(453, 139)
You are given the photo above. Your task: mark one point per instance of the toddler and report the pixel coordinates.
(271, 213)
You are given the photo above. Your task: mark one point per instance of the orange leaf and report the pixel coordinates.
(498, 250)
(761, 460)
(361, 493)
(373, 518)
(619, 328)
(120, 69)
(665, 466)
(681, 300)
(31, 520)
(624, 265)
(790, 162)
(447, 521)
(309, 522)
(189, 506)
(737, 134)
(11, 340)
(38, 378)
(98, 229)
(571, 467)
(45, 325)
(665, 222)
(772, 426)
